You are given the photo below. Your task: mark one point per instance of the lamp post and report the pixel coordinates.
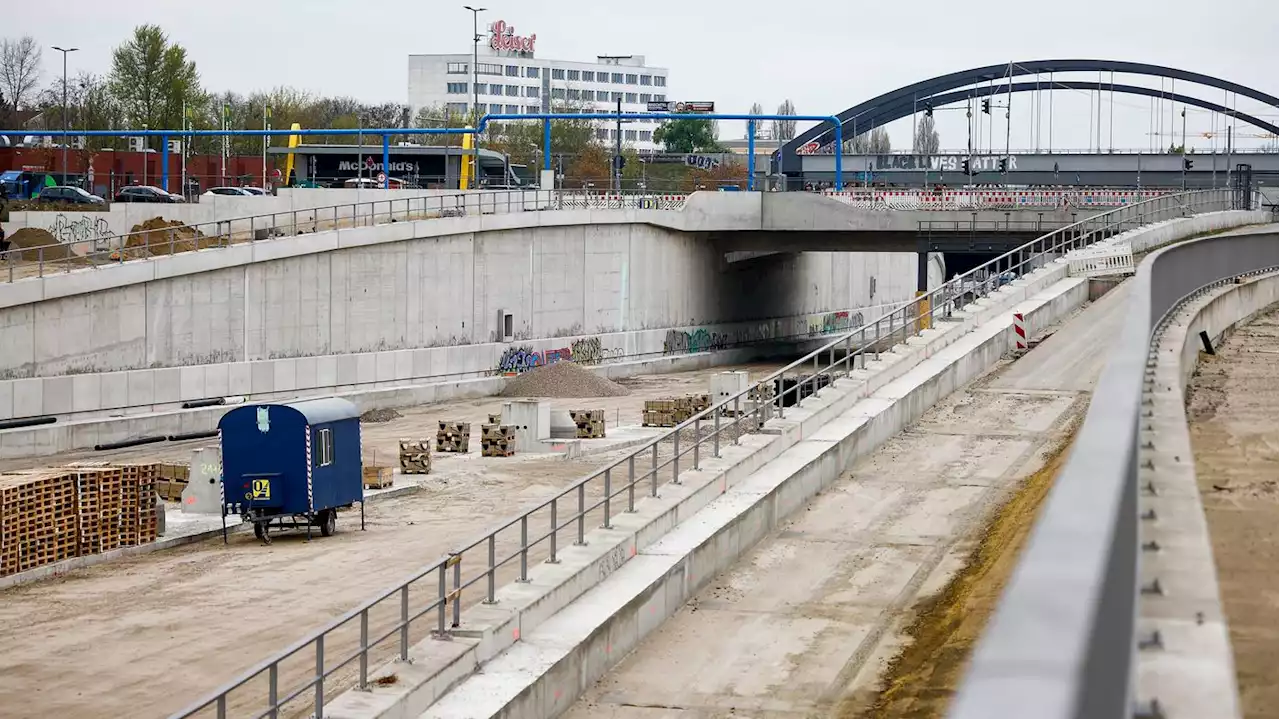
(475, 91)
(64, 52)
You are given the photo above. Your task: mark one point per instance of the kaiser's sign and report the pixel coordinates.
(504, 39)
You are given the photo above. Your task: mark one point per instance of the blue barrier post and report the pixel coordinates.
(546, 144)
(839, 148)
(386, 161)
(164, 163)
(751, 155)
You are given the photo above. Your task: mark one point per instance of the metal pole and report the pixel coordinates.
(1049, 149)
(386, 162)
(839, 140)
(617, 151)
(1184, 148)
(64, 52)
(164, 162)
(475, 92)
(751, 155)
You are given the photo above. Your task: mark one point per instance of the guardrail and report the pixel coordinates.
(429, 603)
(59, 257)
(1062, 642)
(1066, 200)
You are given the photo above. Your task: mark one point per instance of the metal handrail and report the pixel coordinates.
(444, 597)
(56, 256)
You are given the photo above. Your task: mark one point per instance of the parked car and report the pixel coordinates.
(228, 191)
(255, 191)
(145, 193)
(69, 195)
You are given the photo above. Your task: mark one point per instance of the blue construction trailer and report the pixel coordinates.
(291, 465)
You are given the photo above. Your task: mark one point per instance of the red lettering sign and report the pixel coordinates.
(505, 39)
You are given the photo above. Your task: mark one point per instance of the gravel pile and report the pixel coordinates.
(562, 379)
(379, 415)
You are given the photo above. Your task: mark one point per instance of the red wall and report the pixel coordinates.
(115, 168)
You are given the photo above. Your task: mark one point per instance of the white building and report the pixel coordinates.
(509, 79)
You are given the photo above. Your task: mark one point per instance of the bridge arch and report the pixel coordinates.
(937, 91)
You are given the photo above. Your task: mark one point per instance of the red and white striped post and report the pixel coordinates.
(1019, 332)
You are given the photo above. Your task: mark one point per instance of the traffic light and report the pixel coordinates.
(1004, 164)
(964, 167)
(986, 106)
(1186, 164)
(928, 110)
(619, 162)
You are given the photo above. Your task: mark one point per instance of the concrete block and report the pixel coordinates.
(326, 371)
(6, 399)
(384, 367)
(239, 378)
(86, 393)
(167, 385)
(304, 373)
(366, 369)
(420, 363)
(56, 395)
(285, 375)
(114, 391)
(191, 382)
(346, 369)
(28, 397)
(404, 364)
(141, 384)
(217, 380)
(261, 376)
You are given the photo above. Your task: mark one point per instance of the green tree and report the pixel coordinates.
(688, 135)
(152, 79)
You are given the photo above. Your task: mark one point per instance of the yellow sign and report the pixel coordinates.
(261, 489)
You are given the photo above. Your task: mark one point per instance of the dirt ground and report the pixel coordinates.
(1232, 413)
(145, 636)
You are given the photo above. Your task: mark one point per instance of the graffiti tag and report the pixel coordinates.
(584, 351)
(83, 229)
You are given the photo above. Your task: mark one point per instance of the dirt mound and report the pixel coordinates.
(29, 238)
(379, 415)
(154, 237)
(562, 379)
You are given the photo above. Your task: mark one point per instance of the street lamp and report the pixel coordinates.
(64, 52)
(475, 90)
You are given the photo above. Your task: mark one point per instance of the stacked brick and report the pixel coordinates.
(590, 423)
(671, 412)
(51, 515)
(497, 440)
(453, 437)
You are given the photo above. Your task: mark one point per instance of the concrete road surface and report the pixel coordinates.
(811, 615)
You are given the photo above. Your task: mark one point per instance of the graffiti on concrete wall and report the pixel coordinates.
(704, 340)
(834, 322)
(588, 350)
(81, 229)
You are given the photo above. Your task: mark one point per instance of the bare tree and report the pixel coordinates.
(19, 70)
(926, 139)
(785, 129)
(875, 142)
(756, 109)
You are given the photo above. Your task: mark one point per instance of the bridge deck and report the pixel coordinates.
(806, 622)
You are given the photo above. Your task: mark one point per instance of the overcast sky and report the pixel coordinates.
(824, 56)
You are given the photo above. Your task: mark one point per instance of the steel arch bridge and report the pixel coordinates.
(945, 89)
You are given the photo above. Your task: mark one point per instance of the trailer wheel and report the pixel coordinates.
(260, 531)
(328, 521)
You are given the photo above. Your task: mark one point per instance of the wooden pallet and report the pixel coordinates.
(38, 520)
(589, 422)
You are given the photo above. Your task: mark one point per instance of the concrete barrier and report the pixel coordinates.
(488, 630)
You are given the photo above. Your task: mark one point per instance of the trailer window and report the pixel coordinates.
(324, 447)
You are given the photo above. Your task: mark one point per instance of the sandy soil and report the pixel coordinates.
(146, 636)
(868, 601)
(1232, 413)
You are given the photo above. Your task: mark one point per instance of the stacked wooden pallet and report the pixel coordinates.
(495, 419)
(453, 437)
(172, 481)
(50, 515)
(497, 440)
(590, 422)
(415, 456)
(376, 477)
(672, 411)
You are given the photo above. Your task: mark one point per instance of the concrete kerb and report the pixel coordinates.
(555, 663)
(1194, 674)
(488, 630)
